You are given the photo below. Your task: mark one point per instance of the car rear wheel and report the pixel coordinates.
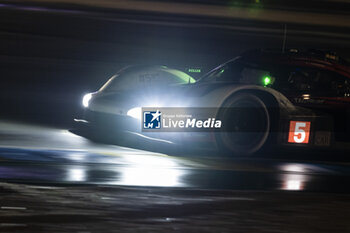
(246, 125)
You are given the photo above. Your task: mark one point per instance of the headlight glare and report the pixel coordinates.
(135, 113)
(86, 100)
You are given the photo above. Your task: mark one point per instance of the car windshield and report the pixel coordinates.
(134, 78)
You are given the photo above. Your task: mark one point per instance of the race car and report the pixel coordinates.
(265, 98)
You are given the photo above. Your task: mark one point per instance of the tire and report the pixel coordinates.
(247, 125)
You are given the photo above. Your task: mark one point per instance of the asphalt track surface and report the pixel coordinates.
(38, 154)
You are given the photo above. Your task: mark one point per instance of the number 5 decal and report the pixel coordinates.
(299, 132)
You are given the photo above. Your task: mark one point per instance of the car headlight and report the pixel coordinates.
(135, 113)
(86, 100)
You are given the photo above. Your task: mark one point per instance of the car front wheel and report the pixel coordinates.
(246, 122)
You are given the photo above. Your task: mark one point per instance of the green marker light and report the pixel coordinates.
(266, 80)
(193, 70)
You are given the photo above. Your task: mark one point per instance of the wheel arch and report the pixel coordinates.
(268, 98)
(273, 108)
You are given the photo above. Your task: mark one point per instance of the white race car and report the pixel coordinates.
(256, 116)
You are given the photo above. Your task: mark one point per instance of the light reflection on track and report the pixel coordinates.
(46, 155)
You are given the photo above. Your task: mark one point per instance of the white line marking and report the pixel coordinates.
(12, 225)
(13, 208)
